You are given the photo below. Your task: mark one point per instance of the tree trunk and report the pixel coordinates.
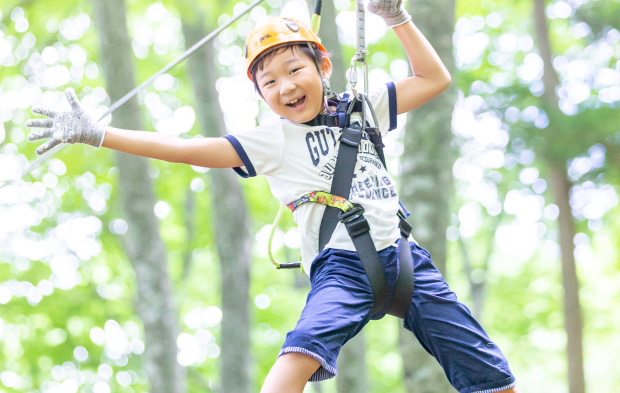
(477, 273)
(143, 246)
(426, 181)
(477, 285)
(230, 217)
(352, 369)
(572, 309)
(561, 190)
(329, 38)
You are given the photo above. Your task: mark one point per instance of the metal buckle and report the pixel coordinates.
(404, 227)
(289, 265)
(351, 215)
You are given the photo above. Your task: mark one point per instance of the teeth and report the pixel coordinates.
(293, 102)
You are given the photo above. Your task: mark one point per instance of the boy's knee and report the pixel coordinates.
(290, 373)
(299, 361)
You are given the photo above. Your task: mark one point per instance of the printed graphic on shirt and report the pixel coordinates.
(373, 187)
(370, 179)
(320, 143)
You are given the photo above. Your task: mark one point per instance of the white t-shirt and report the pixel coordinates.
(297, 159)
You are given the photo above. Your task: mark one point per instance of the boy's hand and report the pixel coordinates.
(74, 126)
(392, 11)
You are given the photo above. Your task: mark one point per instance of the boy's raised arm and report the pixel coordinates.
(430, 76)
(76, 126)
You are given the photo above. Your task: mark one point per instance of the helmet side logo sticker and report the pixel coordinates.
(292, 25)
(263, 38)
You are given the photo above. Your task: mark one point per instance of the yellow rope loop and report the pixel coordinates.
(272, 258)
(274, 226)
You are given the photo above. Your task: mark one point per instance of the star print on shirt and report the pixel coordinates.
(363, 169)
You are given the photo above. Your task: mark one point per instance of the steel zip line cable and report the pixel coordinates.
(34, 165)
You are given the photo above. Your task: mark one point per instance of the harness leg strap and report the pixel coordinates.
(359, 230)
(403, 291)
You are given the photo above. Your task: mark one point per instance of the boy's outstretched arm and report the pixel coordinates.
(76, 126)
(430, 76)
(205, 152)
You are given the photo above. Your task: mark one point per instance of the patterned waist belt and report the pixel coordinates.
(320, 197)
(323, 198)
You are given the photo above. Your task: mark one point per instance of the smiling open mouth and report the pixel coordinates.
(297, 102)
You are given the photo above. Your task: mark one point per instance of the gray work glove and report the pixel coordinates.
(74, 126)
(393, 12)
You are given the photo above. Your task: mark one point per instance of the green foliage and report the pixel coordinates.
(600, 15)
(45, 322)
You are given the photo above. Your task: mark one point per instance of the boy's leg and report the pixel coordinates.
(290, 373)
(447, 330)
(338, 306)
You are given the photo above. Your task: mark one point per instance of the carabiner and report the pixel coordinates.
(361, 58)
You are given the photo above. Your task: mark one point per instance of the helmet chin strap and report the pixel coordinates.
(327, 92)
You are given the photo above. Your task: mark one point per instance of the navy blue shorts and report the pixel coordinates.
(340, 304)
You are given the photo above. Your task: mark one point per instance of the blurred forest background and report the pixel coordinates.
(119, 274)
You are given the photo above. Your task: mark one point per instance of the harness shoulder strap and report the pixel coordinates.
(341, 182)
(354, 220)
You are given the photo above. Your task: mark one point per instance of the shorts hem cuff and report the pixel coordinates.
(326, 371)
(494, 390)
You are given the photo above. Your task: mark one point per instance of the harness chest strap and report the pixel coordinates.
(341, 181)
(341, 117)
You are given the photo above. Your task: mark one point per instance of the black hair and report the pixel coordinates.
(314, 53)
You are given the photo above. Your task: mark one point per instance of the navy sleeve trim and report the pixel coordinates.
(251, 172)
(392, 104)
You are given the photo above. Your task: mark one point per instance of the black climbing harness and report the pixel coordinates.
(340, 209)
(351, 215)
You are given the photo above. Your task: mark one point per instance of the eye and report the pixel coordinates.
(294, 70)
(270, 82)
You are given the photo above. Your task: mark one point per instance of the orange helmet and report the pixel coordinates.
(275, 31)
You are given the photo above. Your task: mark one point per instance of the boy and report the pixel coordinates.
(287, 65)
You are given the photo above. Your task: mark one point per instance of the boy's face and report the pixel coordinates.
(291, 86)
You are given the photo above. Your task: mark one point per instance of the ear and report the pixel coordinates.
(326, 67)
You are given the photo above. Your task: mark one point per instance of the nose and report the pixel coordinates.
(286, 86)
